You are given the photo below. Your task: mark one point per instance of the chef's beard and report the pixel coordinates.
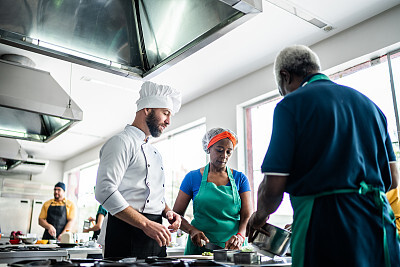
(152, 123)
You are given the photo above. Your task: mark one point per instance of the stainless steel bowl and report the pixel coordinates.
(246, 257)
(225, 255)
(270, 240)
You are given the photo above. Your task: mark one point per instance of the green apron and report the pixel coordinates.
(302, 210)
(216, 211)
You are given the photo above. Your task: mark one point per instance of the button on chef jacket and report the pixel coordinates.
(130, 173)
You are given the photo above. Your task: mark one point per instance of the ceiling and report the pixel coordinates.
(108, 101)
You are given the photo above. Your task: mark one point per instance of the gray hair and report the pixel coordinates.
(213, 132)
(297, 59)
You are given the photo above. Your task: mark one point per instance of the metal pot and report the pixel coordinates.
(225, 255)
(270, 240)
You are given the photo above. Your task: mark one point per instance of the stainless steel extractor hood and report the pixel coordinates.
(33, 106)
(14, 159)
(132, 38)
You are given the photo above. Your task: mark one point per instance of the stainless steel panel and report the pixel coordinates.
(35, 228)
(15, 215)
(34, 108)
(131, 38)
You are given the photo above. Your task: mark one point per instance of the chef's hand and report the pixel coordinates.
(255, 222)
(52, 231)
(288, 227)
(235, 242)
(91, 219)
(174, 219)
(158, 232)
(197, 237)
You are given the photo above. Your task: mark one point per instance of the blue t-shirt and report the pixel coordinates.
(191, 183)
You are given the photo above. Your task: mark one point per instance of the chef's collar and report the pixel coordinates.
(313, 77)
(137, 132)
(63, 201)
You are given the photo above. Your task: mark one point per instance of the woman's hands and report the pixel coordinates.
(235, 242)
(197, 236)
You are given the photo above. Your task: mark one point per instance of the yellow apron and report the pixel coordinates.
(394, 201)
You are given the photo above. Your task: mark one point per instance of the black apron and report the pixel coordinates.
(56, 216)
(96, 233)
(124, 240)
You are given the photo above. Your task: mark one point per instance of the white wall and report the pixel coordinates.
(53, 174)
(364, 41)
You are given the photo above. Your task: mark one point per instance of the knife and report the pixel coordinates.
(212, 246)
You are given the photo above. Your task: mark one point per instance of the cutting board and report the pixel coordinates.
(194, 257)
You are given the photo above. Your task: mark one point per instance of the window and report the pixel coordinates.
(80, 189)
(259, 119)
(374, 79)
(182, 152)
(377, 79)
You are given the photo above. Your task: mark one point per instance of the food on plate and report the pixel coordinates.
(207, 253)
(247, 249)
(42, 242)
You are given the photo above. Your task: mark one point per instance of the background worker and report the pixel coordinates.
(57, 214)
(98, 222)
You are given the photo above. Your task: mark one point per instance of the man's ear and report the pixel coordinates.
(147, 111)
(286, 77)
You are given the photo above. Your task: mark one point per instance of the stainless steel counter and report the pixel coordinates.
(83, 252)
(14, 253)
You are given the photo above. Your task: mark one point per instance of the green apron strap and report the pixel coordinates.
(303, 206)
(379, 198)
(236, 197)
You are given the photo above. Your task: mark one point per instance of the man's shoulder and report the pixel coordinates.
(48, 202)
(128, 135)
(69, 202)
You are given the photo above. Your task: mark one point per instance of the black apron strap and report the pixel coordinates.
(56, 216)
(124, 240)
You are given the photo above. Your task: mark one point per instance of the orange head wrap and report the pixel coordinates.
(221, 136)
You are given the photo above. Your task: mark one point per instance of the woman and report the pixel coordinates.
(221, 197)
(101, 213)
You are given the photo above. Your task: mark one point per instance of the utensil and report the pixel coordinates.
(271, 240)
(212, 246)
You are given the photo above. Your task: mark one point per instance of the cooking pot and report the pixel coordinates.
(271, 240)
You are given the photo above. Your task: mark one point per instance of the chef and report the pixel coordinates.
(131, 181)
(331, 151)
(58, 214)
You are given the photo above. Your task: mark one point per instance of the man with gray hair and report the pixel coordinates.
(131, 182)
(331, 151)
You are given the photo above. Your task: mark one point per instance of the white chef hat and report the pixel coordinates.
(154, 95)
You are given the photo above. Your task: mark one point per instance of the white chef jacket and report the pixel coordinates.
(130, 173)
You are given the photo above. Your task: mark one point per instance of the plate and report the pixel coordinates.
(66, 245)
